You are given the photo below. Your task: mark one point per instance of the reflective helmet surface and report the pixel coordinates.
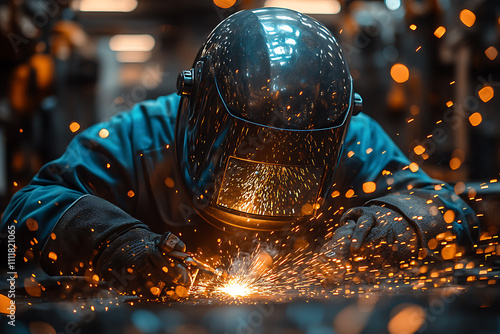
(262, 120)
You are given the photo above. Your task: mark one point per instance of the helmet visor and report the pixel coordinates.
(267, 189)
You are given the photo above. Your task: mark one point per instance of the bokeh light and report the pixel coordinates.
(439, 32)
(74, 127)
(419, 149)
(5, 304)
(224, 3)
(400, 73)
(32, 287)
(491, 53)
(393, 4)
(104, 133)
(449, 216)
(349, 193)
(475, 119)
(414, 167)
(486, 93)
(37, 327)
(459, 188)
(467, 17)
(455, 163)
(369, 187)
(408, 319)
(449, 251)
(32, 224)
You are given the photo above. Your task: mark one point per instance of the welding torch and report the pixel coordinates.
(167, 244)
(192, 261)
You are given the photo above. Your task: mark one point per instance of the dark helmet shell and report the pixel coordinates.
(264, 113)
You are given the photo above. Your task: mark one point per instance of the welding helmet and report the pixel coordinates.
(262, 120)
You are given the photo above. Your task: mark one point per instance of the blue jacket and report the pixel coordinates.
(121, 174)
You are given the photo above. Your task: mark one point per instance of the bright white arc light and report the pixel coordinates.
(307, 7)
(105, 5)
(236, 289)
(132, 43)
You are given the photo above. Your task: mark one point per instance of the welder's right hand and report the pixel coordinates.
(132, 263)
(371, 237)
(338, 247)
(336, 253)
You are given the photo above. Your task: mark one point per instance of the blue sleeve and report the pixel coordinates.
(82, 199)
(405, 187)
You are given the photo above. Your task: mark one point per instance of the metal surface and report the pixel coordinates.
(434, 300)
(473, 310)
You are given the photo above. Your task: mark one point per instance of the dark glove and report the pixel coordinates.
(373, 236)
(133, 264)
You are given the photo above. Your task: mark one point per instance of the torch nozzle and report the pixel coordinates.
(193, 261)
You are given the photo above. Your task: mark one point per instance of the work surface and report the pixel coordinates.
(464, 308)
(459, 296)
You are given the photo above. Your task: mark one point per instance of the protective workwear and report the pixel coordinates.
(133, 263)
(376, 235)
(104, 185)
(262, 120)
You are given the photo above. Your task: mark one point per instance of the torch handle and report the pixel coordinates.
(191, 260)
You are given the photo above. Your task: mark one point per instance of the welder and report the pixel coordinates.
(264, 134)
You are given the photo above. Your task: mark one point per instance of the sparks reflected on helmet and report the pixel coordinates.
(268, 189)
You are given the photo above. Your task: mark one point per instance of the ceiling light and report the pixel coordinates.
(307, 7)
(132, 43)
(104, 5)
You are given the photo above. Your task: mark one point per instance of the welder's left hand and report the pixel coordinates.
(373, 235)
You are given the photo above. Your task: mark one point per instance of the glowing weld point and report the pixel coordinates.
(235, 289)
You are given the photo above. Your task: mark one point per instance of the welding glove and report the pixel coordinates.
(133, 264)
(372, 235)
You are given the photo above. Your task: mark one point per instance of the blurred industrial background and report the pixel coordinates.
(428, 71)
